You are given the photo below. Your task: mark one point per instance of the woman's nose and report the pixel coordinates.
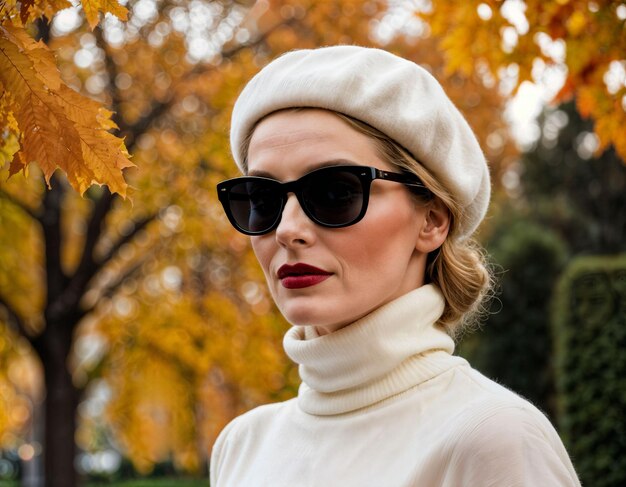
(295, 228)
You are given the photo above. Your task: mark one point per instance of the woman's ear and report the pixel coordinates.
(435, 226)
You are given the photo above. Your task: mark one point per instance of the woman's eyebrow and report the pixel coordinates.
(332, 162)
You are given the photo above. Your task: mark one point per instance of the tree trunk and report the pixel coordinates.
(61, 403)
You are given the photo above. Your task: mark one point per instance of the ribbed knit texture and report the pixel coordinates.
(338, 377)
(383, 403)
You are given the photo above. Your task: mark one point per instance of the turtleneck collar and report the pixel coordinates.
(392, 349)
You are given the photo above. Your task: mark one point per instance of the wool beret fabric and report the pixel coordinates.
(394, 95)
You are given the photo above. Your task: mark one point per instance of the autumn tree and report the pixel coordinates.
(158, 305)
(516, 40)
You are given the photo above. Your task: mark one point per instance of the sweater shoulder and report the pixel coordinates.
(497, 427)
(489, 388)
(241, 429)
(251, 421)
(492, 406)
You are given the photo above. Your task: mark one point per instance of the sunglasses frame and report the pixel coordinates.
(365, 174)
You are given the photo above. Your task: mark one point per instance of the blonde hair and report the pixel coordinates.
(459, 267)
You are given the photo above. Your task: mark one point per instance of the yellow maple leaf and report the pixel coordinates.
(16, 68)
(104, 118)
(82, 110)
(50, 7)
(104, 153)
(42, 58)
(105, 156)
(51, 140)
(8, 147)
(58, 127)
(7, 119)
(92, 9)
(57, 4)
(9, 129)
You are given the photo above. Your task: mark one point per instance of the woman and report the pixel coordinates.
(363, 185)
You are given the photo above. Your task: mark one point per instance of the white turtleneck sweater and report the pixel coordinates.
(384, 403)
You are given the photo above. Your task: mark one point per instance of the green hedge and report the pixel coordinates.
(589, 324)
(515, 345)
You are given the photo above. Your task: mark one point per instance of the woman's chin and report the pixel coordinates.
(306, 315)
(324, 323)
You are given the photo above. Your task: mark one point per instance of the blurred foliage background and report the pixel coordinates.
(132, 330)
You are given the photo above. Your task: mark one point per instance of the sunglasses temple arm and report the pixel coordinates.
(409, 180)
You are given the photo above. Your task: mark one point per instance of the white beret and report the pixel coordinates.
(393, 95)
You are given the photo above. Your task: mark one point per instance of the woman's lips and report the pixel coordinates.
(298, 276)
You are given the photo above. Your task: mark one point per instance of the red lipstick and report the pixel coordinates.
(298, 276)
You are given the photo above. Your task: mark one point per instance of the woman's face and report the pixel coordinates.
(360, 267)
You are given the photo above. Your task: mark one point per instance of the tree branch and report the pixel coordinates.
(87, 267)
(138, 225)
(14, 320)
(110, 290)
(112, 72)
(34, 214)
(157, 110)
(187, 371)
(51, 225)
(202, 69)
(69, 300)
(141, 126)
(43, 30)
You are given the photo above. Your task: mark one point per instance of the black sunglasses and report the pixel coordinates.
(333, 196)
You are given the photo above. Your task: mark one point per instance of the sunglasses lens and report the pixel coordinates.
(333, 198)
(255, 205)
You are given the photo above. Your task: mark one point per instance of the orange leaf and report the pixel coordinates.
(53, 6)
(93, 8)
(17, 73)
(585, 101)
(104, 155)
(59, 127)
(39, 54)
(7, 119)
(566, 92)
(24, 9)
(80, 109)
(50, 139)
(8, 148)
